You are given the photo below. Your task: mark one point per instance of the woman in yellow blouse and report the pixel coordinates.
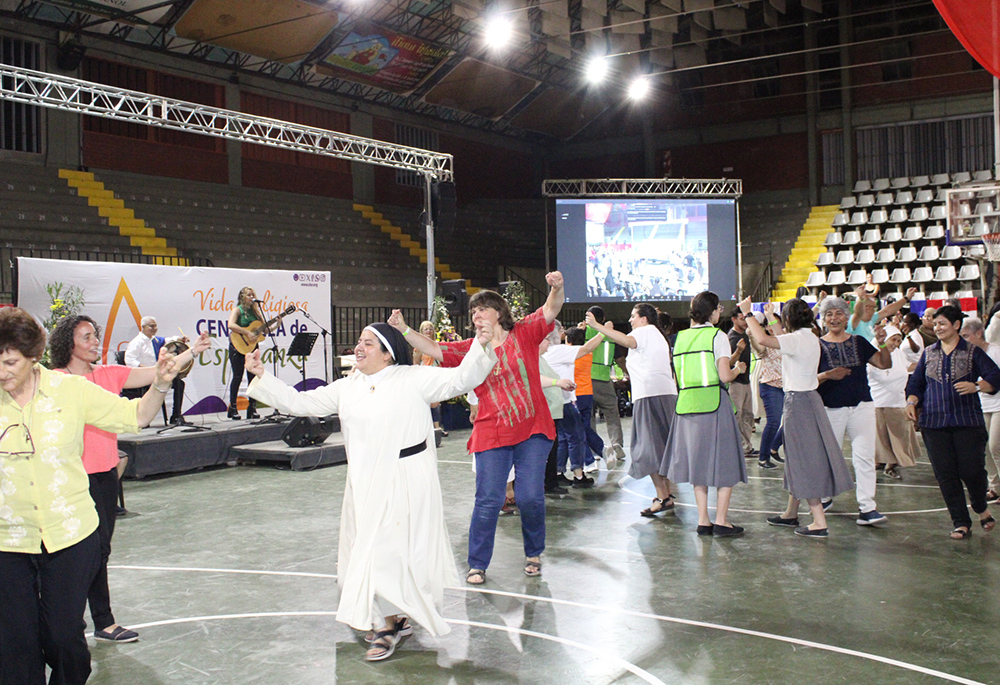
(49, 549)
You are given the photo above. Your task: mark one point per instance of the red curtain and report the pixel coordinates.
(976, 23)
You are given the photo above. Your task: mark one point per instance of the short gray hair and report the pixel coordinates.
(833, 303)
(147, 320)
(555, 335)
(973, 326)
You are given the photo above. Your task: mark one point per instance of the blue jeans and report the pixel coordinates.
(572, 440)
(585, 405)
(492, 469)
(773, 436)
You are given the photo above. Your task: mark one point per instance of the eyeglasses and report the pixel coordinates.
(27, 439)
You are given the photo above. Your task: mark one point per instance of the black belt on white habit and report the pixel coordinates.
(415, 449)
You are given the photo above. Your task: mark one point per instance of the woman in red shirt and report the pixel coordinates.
(513, 426)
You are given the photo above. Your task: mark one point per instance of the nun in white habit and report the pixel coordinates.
(394, 558)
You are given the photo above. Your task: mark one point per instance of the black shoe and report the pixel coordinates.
(751, 453)
(120, 511)
(779, 521)
(251, 414)
(766, 465)
(583, 482)
(556, 490)
(777, 457)
(563, 480)
(705, 530)
(726, 531)
(827, 503)
(233, 413)
(807, 532)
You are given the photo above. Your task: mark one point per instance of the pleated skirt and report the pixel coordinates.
(652, 419)
(895, 437)
(705, 449)
(814, 464)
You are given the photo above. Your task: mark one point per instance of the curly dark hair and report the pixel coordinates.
(493, 300)
(797, 314)
(61, 340)
(19, 331)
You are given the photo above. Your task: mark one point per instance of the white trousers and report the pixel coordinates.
(858, 423)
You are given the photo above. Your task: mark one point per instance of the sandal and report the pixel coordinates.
(383, 645)
(403, 629)
(988, 523)
(658, 506)
(960, 533)
(475, 576)
(532, 568)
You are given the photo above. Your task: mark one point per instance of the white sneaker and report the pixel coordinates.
(610, 458)
(592, 467)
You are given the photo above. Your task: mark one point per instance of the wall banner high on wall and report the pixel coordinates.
(185, 300)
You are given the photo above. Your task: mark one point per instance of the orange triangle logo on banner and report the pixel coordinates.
(123, 293)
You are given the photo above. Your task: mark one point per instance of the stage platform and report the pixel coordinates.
(158, 450)
(328, 453)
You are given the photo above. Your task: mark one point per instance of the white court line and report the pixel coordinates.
(564, 602)
(621, 484)
(618, 661)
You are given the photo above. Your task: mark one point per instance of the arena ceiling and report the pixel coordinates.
(430, 57)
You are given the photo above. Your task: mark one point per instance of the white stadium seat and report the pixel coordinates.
(969, 272)
(835, 278)
(851, 238)
(900, 182)
(886, 255)
(901, 275)
(833, 239)
(907, 254)
(929, 253)
(963, 294)
(892, 235)
(938, 213)
(984, 208)
(825, 259)
(816, 279)
(924, 197)
(945, 274)
(920, 181)
(918, 214)
(923, 274)
(940, 180)
(865, 256)
(859, 218)
(878, 217)
(841, 219)
(979, 229)
(976, 252)
(951, 252)
(984, 175)
(912, 234)
(862, 187)
(844, 257)
(938, 295)
(857, 277)
(849, 202)
(903, 197)
(880, 276)
(880, 184)
(898, 216)
(872, 235)
(934, 232)
(961, 177)
(865, 201)
(883, 199)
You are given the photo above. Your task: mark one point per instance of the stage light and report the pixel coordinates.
(596, 70)
(639, 88)
(498, 31)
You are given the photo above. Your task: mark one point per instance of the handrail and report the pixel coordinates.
(535, 295)
(765, 284)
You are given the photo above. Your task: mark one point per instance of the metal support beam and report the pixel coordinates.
(74, 95)
(642, 187)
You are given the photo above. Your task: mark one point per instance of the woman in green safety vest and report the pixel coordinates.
(704, 446)
(654, 394)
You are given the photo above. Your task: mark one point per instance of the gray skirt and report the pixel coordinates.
(652, 418)
(814, 464)
(705, 449)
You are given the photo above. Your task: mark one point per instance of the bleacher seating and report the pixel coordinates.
(903, 222)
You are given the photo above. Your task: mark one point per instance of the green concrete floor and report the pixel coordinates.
(229, 576)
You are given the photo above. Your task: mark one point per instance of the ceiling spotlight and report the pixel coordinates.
(596, 70)
(639, 88)
(498, 31)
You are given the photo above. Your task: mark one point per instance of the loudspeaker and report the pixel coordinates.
(70, 55)
(308, 430)
(443, 205)
(455, 297)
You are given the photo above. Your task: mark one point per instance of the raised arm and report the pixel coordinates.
(883, 358)
(419, 342)
(590, 345)
(554, 302)
(757, 334)
(610, 333)
(141, 376)
(149, 404)
(890, 309)
(275, 393)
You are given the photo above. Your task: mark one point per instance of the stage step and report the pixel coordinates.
(328, 453)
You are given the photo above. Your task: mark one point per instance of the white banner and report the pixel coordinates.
(185, 300)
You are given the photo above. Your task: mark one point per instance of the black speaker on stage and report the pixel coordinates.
(455, 297)
(308, 430)
(443, 205)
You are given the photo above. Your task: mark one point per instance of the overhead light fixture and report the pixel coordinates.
(498, 31)
(596, 70)
(639, 88)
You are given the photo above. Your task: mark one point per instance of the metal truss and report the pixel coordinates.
(643, 187)
(73, 95)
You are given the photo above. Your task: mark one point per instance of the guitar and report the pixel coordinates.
(245, 344)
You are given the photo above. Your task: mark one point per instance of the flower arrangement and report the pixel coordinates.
(64, 301)
(517, 299)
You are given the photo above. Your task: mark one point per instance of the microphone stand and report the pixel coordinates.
(326, 359)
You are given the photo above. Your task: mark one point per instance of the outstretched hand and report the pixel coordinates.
(746, 305)
(166, 368)
(253, 363)
(201, 344)
(396, 321)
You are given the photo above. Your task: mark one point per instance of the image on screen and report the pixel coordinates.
(639, 250)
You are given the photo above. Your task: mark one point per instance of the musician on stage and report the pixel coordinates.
(143, 351)
(241, 319)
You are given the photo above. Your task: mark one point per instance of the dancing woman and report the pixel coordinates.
(704, 447)
(814, 464)
(654, 397)
(513, 426)
(395, 558)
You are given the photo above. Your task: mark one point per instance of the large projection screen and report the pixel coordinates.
(631, 250)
